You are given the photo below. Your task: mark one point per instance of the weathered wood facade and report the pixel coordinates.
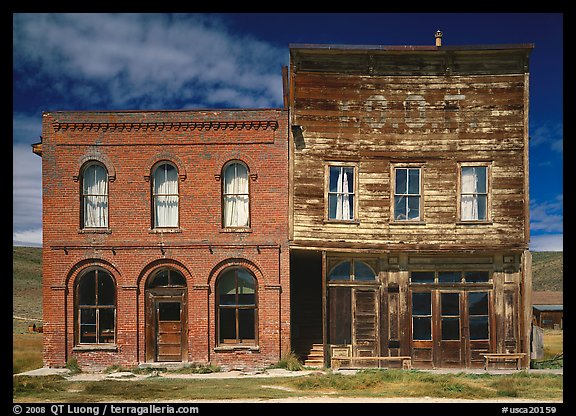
(403, 255)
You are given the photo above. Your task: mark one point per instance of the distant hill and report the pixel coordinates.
(547, 271)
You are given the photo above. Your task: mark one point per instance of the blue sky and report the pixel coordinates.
(143, 61)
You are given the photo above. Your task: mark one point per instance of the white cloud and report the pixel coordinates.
(549, 134)
(122, 60)
(27, 237)
(547, 242)
(26, 189)
(547, 216)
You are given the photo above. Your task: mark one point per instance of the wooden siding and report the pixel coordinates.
(382, 121)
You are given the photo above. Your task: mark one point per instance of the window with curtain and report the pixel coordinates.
(341, 193)
(236, 196)
(94, 196)
(236, 306)
(165, 195)
(474, 193)
(407, 194)
(96, 308)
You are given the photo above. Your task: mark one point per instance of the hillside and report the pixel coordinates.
(547, 271)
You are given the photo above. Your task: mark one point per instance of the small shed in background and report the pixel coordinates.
(548, 309)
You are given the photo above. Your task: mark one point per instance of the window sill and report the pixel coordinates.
(408, 222)
(350, 222)
(474, 223)
(93, 347)
(164, 230)
(228, 348)
(94, 231)
(236, 230)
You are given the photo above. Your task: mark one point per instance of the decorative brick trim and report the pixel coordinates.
(167, 125)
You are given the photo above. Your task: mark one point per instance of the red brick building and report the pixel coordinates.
(165, 237)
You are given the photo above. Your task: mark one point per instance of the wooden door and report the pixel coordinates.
(365, 325)
(449, 333)
(168, 330)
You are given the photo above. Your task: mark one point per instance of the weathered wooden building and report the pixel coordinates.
(409, 209)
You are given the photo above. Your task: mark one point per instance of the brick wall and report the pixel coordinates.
(129, 144)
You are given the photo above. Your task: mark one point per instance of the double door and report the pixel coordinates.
(451, 328)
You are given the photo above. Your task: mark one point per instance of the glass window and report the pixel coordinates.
(236, 196)
(477, 276)
(449, 277)
(422, 277)
(96, 307)
(94, 196)
(407, 194)
(341, 193)
(166, 278)
(342, 271)
(450, 311)
(474, 193)
(236, 298)
(165, 196)
(421, 316)
(478, 315)
(362, 271)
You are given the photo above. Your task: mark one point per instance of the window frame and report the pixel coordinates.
(394, 168)
(153, 196)
(352, 276)
(236, 307)
(224, 195)
(77, 309)
(462, 283)
(83, 196)
(327, 192)
(488, 166)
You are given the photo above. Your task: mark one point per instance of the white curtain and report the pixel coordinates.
(95, 187)
(166, 195)
(236, 197)
(343, 211)
(469, 203)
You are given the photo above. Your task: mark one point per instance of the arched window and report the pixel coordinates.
(352, 270)
(94, 196)
(165, 195)
(235, 196)
(236, 307)
(166, 278)
(96, 307)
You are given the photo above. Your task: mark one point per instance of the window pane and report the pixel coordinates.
(227, 324)
(401, 181)
(160, 279)
(450, 304)
(246, 324)
(413, 207)
(95, 211)
(362, 271)
(176, 279)
(469, 207)
(468, 179)
(334, 175)
(169, 311)
(414, 181)
(477, 276)
(88, 325)
(421, 303)
(480, 172)
(478, 303)
(449, 277)
(87, 289)
(332, 205)
(106, 289)
(227, 288)
(481, 200)
(341, 272)
(166, 211)
(422, 277)
(348, 180)
(421, 328)
(106, 325)
(479, 327)
(400, 208)
(450, 328)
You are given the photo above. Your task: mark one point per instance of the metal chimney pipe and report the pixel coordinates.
(438, 37)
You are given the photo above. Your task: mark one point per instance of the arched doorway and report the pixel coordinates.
(166, 316)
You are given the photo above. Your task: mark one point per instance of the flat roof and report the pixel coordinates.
(359, 48)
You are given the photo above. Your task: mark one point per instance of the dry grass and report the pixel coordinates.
(27, 352)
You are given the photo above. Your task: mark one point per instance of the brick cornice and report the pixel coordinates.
(166, 125)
